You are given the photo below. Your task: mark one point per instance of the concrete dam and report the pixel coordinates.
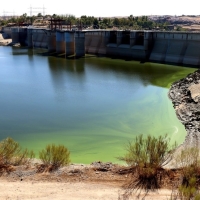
(181, 48)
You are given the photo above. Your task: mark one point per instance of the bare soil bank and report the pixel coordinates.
(103, 181)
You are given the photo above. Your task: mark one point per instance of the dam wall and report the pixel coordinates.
(60, 42)
(39, 38)
(129, 44)
(51, 41)
(19, 35)
(79, 43)
(69, 43)
(122, 44)
(6, 32)
(96, 42)
(181, 48)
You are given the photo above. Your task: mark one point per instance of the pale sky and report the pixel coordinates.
(101, 8)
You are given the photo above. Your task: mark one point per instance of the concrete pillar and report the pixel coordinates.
(30, 38)
(51, 41)
(147, 40)
(34, 38)
(22, 35)
(15, 35)
(105, 37)
(60, 42)
(132, 38)
(79, 43)
(44, 39)
(119, 37)
(37, 37)
(69, 43)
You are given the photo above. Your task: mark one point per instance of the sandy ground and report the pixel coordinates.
(47, 190)
(74, 182)
(23, 190)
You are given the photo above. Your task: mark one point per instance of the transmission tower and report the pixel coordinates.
(8, 14)
(37, 10)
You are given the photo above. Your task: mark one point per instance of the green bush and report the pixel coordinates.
(149, 152)
(189, 191)
(55, 156)
(189, 164)
(147, 156)
(12, 154)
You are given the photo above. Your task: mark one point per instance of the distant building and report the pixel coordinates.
(170, 27)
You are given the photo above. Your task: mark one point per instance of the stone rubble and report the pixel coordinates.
(185, 96)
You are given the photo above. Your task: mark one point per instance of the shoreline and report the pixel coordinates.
(74, 182)
(185, 97)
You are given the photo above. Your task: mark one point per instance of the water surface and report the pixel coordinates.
(93, 105)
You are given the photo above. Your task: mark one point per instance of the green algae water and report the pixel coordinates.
(93, 105)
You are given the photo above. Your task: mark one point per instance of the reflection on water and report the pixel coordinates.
(92, 105)
(62, 65)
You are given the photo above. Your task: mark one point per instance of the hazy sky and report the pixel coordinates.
(103, 8)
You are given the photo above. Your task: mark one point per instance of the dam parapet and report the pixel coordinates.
(181, 48)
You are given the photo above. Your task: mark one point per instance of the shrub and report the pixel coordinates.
(12, 154)
(149, 152)
(54, 156)
(189, 191)
(189, 164)
(147, 156)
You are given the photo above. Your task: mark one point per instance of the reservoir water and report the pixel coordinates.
(93, 105)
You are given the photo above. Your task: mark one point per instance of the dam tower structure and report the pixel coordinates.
(79, 43)
(30, 37)
(19, 35)
(51, 41)
(69, 43)
(123, 44)
(148, 43)
(60, 42)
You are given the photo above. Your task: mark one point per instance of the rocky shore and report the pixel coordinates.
(185, 96)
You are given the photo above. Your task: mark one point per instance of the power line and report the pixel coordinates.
(37, 10)
(7, 13)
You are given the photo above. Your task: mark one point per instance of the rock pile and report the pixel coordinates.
(185, 96)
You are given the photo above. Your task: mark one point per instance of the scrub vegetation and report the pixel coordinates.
(189, 164)
(11, 153)
(54, 157)
(147, 157)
